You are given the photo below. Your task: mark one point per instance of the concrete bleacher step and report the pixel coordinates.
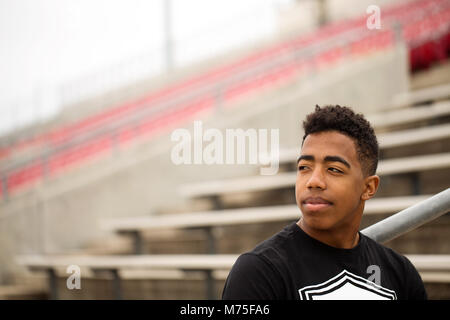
(22, 292)
(420, 113)
(163, 261)
(243, 216)
(435, 75)
(243, 237)
(216, 231)
(414, 136)
(199, 262)
(287, 179)
(435, 269)
(410, 98)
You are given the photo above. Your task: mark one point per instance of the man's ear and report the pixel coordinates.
(371, 186)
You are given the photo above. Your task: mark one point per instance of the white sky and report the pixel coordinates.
(46, 43)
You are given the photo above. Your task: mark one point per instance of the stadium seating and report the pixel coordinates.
(413, 120)
(434, 268)
(58, 150)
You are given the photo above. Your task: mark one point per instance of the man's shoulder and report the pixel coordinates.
(260, 272)
(388, 254)
(271, 253)
(276, 244)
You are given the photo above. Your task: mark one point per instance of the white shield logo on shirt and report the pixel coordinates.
(346, 286)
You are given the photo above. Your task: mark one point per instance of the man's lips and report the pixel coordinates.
(316, 203)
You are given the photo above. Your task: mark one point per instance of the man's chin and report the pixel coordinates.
(320, 213)
(315, 222)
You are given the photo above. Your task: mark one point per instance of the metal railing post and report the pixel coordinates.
(410, 218)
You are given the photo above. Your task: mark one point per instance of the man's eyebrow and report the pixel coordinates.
(337, 159)
(305, 157)
(327, 159)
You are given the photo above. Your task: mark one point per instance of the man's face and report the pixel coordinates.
(330, 182)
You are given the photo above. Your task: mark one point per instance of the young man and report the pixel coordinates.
(323, 255)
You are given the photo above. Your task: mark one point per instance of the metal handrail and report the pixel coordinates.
(410, 218)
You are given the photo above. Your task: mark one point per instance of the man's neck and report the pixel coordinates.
(346, 238)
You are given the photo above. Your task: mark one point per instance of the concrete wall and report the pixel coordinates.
(63, 214)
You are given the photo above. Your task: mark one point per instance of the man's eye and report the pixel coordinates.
(335, 170)
(300, 168)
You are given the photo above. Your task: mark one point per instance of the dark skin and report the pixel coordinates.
(331, 189)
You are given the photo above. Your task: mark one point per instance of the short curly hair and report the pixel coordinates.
(346, 121)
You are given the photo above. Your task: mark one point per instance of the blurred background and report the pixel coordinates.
(92, 90)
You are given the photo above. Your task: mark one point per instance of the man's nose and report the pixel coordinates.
(316, 180)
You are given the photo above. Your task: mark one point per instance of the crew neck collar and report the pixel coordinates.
(301, 234)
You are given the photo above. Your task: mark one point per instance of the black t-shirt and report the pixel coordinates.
(292, 265)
